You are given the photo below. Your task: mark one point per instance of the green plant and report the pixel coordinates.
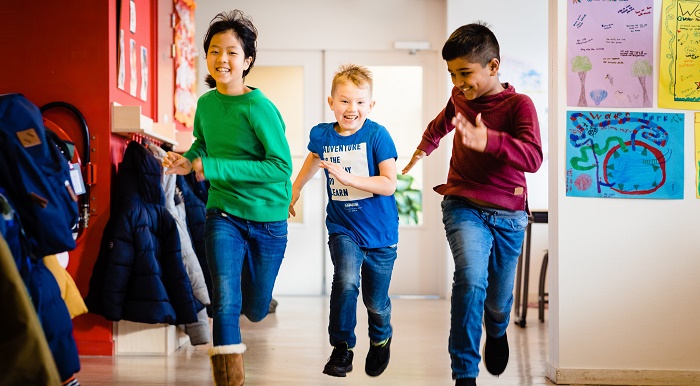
(409, 201)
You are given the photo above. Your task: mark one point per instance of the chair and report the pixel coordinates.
(543, 297)
(523, 270)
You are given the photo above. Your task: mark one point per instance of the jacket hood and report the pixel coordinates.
(139, 176)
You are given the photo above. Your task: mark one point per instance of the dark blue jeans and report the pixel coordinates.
(373, 267)
(244, 259)
(485, 245)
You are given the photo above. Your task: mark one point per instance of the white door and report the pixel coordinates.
(409, 92)
(292, 80)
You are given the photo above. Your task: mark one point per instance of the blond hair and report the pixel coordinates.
(355, 73)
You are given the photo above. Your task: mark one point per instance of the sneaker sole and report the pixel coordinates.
(377, 372)
(336, 372)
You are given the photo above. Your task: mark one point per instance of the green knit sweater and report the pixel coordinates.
(245, 155)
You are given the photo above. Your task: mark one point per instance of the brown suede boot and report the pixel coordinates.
(227, 364)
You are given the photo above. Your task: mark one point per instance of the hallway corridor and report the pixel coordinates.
(291, 346)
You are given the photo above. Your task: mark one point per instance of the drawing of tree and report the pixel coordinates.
(641, 69)
(581, 65)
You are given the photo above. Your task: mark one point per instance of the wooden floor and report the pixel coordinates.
(291, 346)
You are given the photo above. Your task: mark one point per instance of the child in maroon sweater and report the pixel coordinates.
(485, 206)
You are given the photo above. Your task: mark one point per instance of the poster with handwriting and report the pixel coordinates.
(679, 67)
(610, 53)
(697, 155)
(623, 154)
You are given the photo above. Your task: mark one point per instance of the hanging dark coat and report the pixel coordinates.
(139, 275)
(196, 217)
(22, 342)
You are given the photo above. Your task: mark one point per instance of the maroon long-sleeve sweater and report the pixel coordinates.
(514, 147)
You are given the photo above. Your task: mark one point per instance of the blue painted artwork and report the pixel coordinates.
(624, 154)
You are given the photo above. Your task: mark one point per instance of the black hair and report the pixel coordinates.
(475, 42)
(242, 26)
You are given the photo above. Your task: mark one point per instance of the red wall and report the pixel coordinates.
(67, 51)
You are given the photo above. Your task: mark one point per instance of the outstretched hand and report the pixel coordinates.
(474, 136)
(417, 155)
(178, 164)
(295, 198)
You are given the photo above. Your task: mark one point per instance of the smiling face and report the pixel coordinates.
(350, 104)
(226, 62)
(473, 79)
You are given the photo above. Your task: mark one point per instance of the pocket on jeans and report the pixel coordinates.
(277, 228)
(520, 223)
(210, 213)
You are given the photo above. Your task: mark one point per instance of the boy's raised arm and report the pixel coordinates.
(384, 184)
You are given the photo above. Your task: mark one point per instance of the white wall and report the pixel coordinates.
(330, 24)
(625, 271)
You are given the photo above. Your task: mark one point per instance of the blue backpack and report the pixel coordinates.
(36, 174)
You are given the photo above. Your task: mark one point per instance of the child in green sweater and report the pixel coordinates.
(241, 149)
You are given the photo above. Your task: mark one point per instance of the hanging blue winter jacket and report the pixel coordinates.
(139, 275)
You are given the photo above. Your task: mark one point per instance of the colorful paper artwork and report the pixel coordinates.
(134, 80)
(624, 154)
(185, 55)
(610, 53)
(697, 155)
(144, 73)
(121, 70)
(679, 72)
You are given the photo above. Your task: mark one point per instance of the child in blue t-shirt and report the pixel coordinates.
(359, 158)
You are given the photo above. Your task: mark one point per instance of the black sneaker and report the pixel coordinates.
(496, 354)
(377, 358)
(340, 361)
(465, 382)
(273, 306)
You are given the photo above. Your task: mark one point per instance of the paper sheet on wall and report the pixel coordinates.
(185, 53)
(697, 155)
(133, 81)
(610, 53)
(144, 73)
(624, 154)
(679, 67)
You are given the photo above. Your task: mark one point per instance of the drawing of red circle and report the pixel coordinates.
(583, 182)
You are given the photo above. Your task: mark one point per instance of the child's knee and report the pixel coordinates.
(256, 317)
(255, 314)
(380, 307)
(346, 281)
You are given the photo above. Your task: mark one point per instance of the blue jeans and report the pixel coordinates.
(350, 265)
(244, 258)
(485, 245)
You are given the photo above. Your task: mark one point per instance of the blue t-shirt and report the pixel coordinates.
(372, 220)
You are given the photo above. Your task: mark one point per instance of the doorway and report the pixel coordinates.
(292, 81)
